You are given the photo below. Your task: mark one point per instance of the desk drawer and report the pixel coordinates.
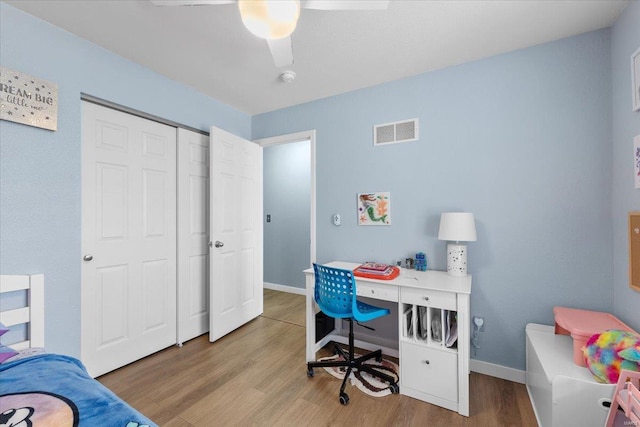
(377, 291)
(426, 297)
(430, 371)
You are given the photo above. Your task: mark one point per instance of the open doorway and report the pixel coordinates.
(289, 210)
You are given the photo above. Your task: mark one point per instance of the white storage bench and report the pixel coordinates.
(562, 393)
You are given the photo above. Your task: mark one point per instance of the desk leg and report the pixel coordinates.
(311, 322)
(463, 354)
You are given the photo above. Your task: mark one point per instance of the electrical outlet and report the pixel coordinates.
(474, 341)
(479, 322)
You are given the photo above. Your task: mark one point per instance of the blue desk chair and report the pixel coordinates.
(335, 294)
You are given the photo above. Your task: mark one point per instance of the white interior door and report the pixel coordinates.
(128, 238)
(193, 235)
(236, 232)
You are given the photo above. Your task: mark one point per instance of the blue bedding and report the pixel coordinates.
(55, 390)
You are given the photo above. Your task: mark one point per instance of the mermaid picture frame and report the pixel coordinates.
(374, 208)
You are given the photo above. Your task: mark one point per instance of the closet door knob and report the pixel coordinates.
(426, 362)
(218, 244)
(87, 257)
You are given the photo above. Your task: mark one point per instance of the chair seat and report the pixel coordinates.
(368, 312)
(364, 312)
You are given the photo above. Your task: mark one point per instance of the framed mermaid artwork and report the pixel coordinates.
(374, 208)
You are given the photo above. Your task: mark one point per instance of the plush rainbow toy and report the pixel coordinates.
(607, 353)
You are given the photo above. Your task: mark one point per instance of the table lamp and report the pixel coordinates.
(457, 227)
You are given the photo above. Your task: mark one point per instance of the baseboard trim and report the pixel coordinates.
(498, 371)
(283, 288)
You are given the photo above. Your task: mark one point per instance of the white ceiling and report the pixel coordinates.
(208, 48)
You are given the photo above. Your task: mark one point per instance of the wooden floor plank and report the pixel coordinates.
(284, 306)
(256, 376)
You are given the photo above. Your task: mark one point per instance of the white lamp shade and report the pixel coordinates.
(270, 19)
(457, 227)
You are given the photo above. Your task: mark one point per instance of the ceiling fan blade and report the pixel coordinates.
(345, 4)
(190, 2)
(281, 51)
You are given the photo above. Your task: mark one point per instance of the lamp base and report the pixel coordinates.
(456, 260)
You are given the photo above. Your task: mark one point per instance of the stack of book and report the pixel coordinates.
(376, 270)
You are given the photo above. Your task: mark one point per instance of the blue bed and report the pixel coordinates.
(55, 390)
(42, 389)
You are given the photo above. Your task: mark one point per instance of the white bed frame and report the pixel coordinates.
(33, 314)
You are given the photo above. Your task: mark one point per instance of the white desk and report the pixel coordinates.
(429, 370)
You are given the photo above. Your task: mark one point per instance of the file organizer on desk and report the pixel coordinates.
(432, 326)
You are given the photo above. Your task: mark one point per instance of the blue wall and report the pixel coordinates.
(40, 170)
(537, 143)
(522, 140)
(625, 39)
(287, 198)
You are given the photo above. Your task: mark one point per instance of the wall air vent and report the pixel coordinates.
(391, 133)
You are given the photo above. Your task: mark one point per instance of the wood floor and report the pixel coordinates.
(256, 376)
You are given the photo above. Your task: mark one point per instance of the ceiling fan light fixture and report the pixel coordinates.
(270, 19)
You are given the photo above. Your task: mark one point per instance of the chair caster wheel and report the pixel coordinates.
(394, 388)
(344, 399)
(310, 372)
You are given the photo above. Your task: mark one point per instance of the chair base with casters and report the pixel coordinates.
(352, 363)
(335, 293)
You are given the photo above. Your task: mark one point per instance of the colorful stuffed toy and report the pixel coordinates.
(608, 352)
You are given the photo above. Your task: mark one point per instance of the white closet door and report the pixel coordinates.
(236, 232)
(128, 238)
(193, 235)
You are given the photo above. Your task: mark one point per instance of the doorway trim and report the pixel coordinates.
(309, 135)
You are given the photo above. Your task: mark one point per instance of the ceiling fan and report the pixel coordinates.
(275, 20)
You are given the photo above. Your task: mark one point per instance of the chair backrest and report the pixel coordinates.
(335, 291)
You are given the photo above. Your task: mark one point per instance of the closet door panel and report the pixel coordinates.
(128, 292)
(193, 235)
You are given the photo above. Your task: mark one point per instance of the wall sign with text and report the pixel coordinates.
(28, 100)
